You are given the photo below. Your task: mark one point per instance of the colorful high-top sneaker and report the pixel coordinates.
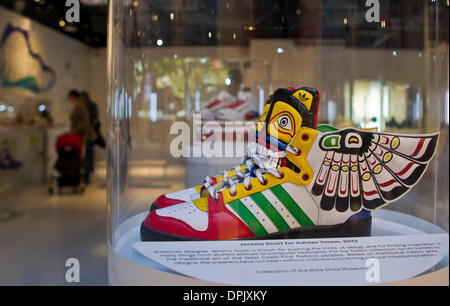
(237, 173)
(309, 182)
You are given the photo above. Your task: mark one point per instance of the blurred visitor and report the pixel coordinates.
(79, 121)
(79, 117)
(94, 136)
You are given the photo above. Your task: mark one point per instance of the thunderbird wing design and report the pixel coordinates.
(369, 169)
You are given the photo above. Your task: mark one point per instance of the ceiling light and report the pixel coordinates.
(159, 42)
(280, 50)
(62, 23)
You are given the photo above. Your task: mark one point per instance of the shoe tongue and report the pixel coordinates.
(286, 111)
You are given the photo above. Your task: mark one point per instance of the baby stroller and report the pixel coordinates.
(69, 164)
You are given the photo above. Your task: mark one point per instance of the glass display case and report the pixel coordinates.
(302, 142)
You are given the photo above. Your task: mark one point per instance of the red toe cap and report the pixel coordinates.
(222, 224)
(163, 201)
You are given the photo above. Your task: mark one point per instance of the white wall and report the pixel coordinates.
(68, 57)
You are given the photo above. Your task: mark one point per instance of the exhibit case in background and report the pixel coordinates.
(180, 72)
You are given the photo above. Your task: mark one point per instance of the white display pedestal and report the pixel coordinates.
(128, 267)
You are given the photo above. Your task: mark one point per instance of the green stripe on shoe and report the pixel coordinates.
(292, 206)
(248, 218)
(270, 211)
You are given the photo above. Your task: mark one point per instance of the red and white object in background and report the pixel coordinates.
(244, 108)
(224, 99)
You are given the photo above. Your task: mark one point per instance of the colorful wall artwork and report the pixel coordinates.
(20, 66)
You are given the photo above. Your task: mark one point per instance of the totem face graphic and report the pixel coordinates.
(283, 123)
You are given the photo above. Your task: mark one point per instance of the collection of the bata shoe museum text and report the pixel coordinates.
(252, 157)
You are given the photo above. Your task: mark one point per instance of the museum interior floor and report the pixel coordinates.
(45, 231)
(38, 232)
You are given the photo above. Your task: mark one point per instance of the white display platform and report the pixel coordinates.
(128, 267)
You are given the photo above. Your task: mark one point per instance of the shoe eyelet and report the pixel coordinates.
(282, 176)
(299, 152)
(264, 183)
(305, 137)
(250, 188)
(232, 194)
(305, 177)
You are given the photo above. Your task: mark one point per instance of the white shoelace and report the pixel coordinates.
(240, 174)
(257, 155)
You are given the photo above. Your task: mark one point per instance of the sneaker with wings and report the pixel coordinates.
(309, 182)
